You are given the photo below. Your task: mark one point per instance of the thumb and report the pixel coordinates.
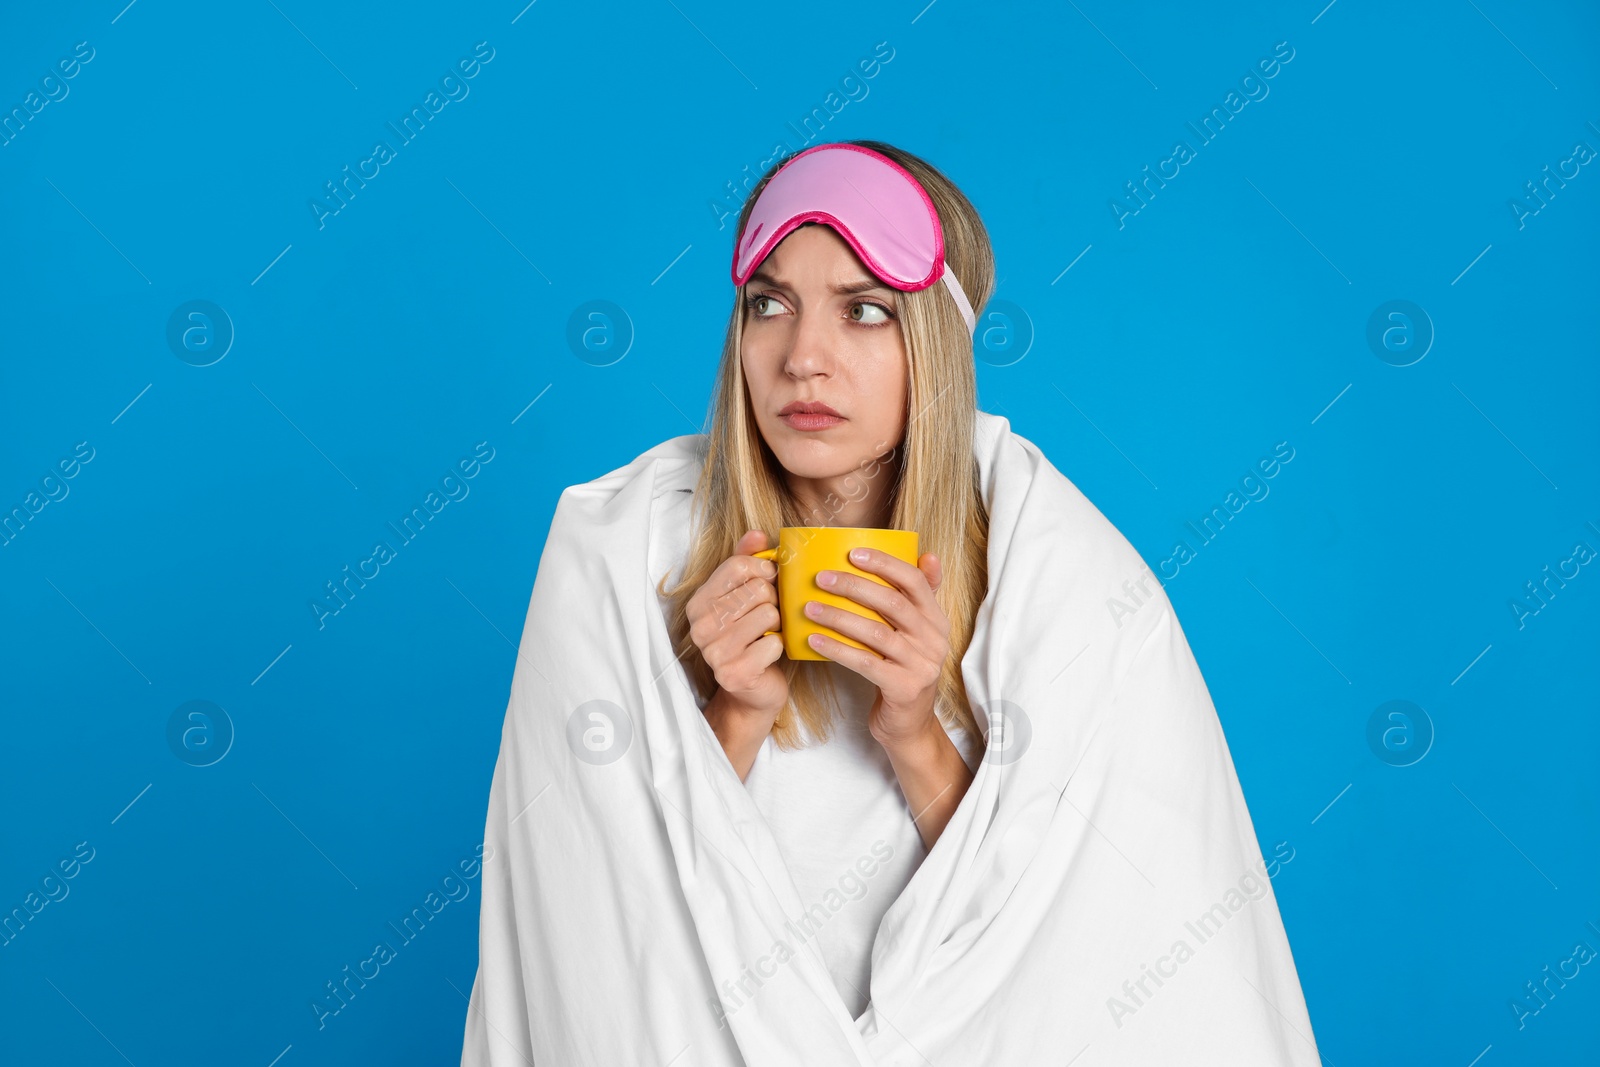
(933, 569)
(752, 541)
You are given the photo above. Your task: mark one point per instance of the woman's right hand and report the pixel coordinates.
(729, 616)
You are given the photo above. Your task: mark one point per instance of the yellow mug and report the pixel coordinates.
(803, 551)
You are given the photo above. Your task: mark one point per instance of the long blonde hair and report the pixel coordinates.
(743, 487)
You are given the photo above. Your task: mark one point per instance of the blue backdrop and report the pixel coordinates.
(278, 275)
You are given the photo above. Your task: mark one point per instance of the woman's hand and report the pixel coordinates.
(728, 618)
(909, 649)
(913, 647)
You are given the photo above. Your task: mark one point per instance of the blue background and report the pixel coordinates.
(374, 349)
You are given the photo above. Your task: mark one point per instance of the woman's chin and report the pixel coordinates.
(833, 454)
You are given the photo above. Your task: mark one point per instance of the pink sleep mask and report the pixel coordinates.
(871, 201)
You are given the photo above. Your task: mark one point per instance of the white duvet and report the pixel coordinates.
(1097, 898)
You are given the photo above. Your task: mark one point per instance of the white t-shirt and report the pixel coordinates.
(844, 830)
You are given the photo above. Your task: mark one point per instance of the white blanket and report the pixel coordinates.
(1097, 898)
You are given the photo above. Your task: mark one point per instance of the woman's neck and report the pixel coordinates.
(828, 501)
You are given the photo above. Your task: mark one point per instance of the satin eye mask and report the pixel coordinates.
(871, 201)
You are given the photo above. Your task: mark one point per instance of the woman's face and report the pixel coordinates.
(819, 327)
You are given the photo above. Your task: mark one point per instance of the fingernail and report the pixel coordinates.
(827, 579)
(858, 555)
(813, 609)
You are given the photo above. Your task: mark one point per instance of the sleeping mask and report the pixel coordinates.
(870, 200)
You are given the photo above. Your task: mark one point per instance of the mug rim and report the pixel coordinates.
(853, 529)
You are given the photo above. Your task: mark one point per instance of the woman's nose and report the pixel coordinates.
(810, 350)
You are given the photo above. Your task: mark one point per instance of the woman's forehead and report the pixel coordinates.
(829, 261)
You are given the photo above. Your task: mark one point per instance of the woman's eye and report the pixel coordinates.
(757, 302)
(869, 314)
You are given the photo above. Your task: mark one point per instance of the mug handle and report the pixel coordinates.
(772, 554)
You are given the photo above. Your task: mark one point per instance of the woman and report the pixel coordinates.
(817, 330)
(704, 853)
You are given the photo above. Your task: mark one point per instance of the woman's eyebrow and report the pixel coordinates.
(865, 285)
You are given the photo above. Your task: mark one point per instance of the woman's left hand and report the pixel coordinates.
(909, 650)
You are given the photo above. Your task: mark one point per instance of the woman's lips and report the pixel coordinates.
(811, 421)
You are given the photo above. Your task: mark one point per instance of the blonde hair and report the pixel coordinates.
(743, 487)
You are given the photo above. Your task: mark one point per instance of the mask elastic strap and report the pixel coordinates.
(962, 303)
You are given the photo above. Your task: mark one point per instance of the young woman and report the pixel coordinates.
(1005, 831)
(853, 751)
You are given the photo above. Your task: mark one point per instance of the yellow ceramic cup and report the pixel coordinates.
(803, 551)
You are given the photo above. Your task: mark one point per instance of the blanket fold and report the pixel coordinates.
(1098, 893)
